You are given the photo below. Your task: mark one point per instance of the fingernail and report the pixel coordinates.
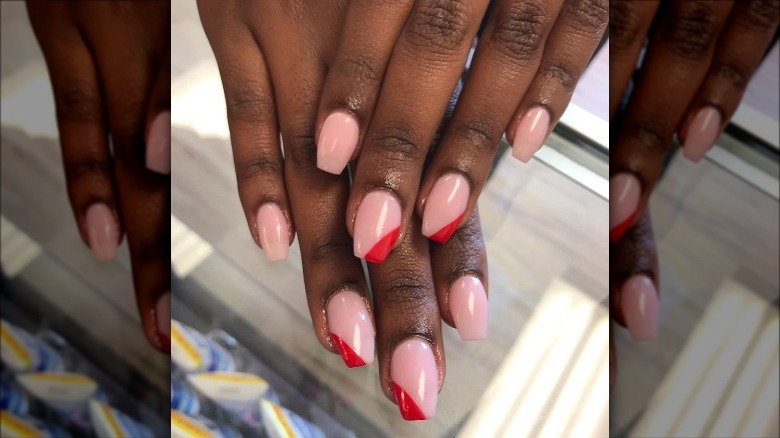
(102, 232)
(624, 192)
(469, 308)
(639, 302)
(415, 379)
(377, 224)
(530, 133)
(163, 313)
(274, 232)
(337, 141)
(445, 207)
(158, 144)
(702, 133)
(351, 328)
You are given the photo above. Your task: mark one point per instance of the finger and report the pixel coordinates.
(629, 22)
(460, 274)
(128, 72)
(158, 122)
(677, 61)
(568, 50)
(634, 281)
(354, 80)
(424, 70)
(409, 342)
(749, 31)
(254, 134)
(82, 130)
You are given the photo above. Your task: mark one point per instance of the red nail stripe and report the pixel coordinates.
(381, 249)
(446, 231)
(618, 230)
(409, 409)
(347, 353)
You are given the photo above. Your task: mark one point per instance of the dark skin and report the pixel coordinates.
(109, 64)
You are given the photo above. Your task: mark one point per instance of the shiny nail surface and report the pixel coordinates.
(102, 231)
(445, 207)
(530, 133)
(377, 224)
(158, 144)
(702, 133)
(469, 308)
(351, 328)
(415, 379)
(639, 303)
(162, 312)
(337, 142)
(274, 232)
(624, 193)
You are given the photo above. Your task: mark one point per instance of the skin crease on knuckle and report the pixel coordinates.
(588, 17)
(624, 19)
(439, 26)
(520, 30)
(693, 32)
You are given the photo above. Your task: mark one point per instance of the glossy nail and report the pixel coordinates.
(415, 379)
(469, 308)
(530, 133)
(702, 133)
(445, 207)
(158, 144)
(377, 224)
(102, 231)
(337, 141)
(624, 193)
(274, 232)
(351, 328)
(162, 312)
(639, 302)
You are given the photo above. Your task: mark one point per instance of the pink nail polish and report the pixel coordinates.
(469, 308)
(351, 328)
(337, 142)
(639, 302)
(702, 133)
(530, 133)
(415, 379)
(158, 144)
(163, 314)
(274, 232)
(377, 225)
(102, 231)
(624, 193)
(445, 207)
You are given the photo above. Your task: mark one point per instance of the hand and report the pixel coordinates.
(416, 287)
(396, 66)
(109, 64)
(698, 60)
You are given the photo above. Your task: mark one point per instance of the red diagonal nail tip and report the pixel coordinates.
(409, 409)
(381, 249)
(347, 353)
(617, 232)
(446, 231)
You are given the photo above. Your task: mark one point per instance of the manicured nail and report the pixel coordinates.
(351, 328)
(102, 232)
(158, 144)
(337, 141)
(530, 133)
(415, 379)
(639, 302)
(702, 133)
(163, 313)
(469, 308)
(274, 232)
(377, 224)
(624, 192)
(445, 207)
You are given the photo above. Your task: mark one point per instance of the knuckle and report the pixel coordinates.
(76, 103)
(359, 68)
(519, 30)
(624, 25)
(302, 152)
(247, 102)
(479, 134)
(732, 75)
(762, 14)
(588, 16)
(332, 248)
(398, 144)
(440, 25)
(258, 166)
(648, 137)
(152, 249)
(560, 74)
(87, 168)
(693, 32)
(405, 288)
